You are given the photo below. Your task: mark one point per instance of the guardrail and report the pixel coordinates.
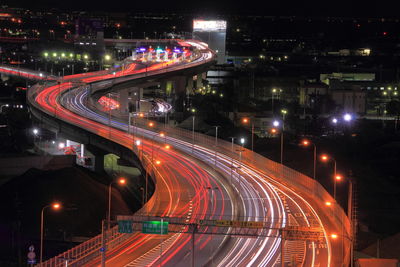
(304, 185)
(26, 73)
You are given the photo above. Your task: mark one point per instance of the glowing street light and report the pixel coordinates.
(242, 141)
(276, 124)
(334, 236)
(307, 143)
(107, 57)
(347, 117)
(35, 131)
(328, 203)
(326, 158)
(121, 181)
(61, 145)
(245, 121)
(55, 206)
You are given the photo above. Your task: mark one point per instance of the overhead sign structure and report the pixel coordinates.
(200, 25)
(155, 227)
(125, 227)
(227, 223)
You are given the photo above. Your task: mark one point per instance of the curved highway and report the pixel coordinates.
(193, 182)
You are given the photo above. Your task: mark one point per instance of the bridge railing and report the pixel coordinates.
(308, 187)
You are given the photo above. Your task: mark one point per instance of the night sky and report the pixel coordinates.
(351, 8)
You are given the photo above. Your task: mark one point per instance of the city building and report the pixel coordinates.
(212, 32)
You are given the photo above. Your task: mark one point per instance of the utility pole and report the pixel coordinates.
(282, 248)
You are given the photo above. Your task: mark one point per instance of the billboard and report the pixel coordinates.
(200, 25)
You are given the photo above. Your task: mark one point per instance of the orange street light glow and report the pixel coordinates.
(328, 203)
(324, 157)
(274, 131)
(122, 181)
(334, 236)
(305, 142)
(158, 162)
(338, 177)
(56, 206)
(245, 120)
(141, 115)
(151, 124)
(167, 147)
(162, 134)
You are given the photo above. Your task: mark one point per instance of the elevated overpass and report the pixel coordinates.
(200, 178)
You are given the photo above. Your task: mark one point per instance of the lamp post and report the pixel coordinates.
(2, 106)
(54, 206)
(326, 158)
(193, 110)
(216, 142)
(306, 143)
(334, 123)
(121, 181)
(245, 121)
(276, 124)
(284, 112)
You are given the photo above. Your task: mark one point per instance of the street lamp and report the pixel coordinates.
(245, 121)
(54, 206)
(347, 117)
(216, 142)
(120, 181)
(326, 158)
(193, 110)
(276, 124)
(306, 143)
(284, 112)
(1, 107)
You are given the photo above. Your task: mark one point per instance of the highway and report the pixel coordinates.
(194, 181)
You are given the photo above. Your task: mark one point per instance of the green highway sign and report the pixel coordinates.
(155, 227)
(125, 227)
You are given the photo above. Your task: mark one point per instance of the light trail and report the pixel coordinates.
(181, 185)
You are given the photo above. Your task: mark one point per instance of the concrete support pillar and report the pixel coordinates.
(98, 157)
(199, 81)
(99, 163)
(82, 150)
(124, 101)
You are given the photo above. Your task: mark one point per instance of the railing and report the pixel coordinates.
(26, 73)
(302, 184)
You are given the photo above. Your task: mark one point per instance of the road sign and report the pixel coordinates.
(32, 261)
(125, 227)
(31, 255)
(155, 227)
